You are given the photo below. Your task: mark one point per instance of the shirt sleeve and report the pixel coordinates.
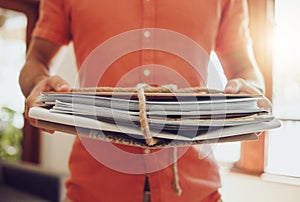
(233, 31)
(53, 23)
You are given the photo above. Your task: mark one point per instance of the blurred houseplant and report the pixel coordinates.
(10, 134)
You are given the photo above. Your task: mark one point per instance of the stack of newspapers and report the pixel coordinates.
(173, 118)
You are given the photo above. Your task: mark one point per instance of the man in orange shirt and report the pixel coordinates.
(120, 174)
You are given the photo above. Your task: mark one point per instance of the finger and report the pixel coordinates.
(266, 104)
(34, 123)
(258, 133)
(240, 86)
(48, 131)
(58, 84)
(233, 86)
(31, 101)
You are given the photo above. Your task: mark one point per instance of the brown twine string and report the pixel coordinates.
(177, 187)
(149, 89)
(140, 90)
(143, 118)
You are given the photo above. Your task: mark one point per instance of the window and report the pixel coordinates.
(283, 145)
(12, 57)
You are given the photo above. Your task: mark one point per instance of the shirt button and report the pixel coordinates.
(147, 151)
(147, 72)
(147, 34)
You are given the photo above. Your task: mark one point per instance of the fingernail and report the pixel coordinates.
(63, 86)
(230, 88)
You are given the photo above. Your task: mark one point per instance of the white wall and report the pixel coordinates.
(55, 150)
(244, 188)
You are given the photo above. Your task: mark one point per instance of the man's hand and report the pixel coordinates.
(53, 83)
(241, 86)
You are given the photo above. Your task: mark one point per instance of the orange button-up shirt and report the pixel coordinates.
(105, 172)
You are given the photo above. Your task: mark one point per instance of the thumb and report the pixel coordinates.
(233, 86)
(58, 84)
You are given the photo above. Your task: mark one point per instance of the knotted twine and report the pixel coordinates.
(141, 89)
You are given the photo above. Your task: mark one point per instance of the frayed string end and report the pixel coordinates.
(177, 187)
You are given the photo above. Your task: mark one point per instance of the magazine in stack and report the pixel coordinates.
(173, 118)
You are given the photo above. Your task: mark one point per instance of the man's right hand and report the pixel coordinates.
(51, 83)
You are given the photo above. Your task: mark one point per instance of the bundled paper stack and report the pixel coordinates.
(154, 119)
